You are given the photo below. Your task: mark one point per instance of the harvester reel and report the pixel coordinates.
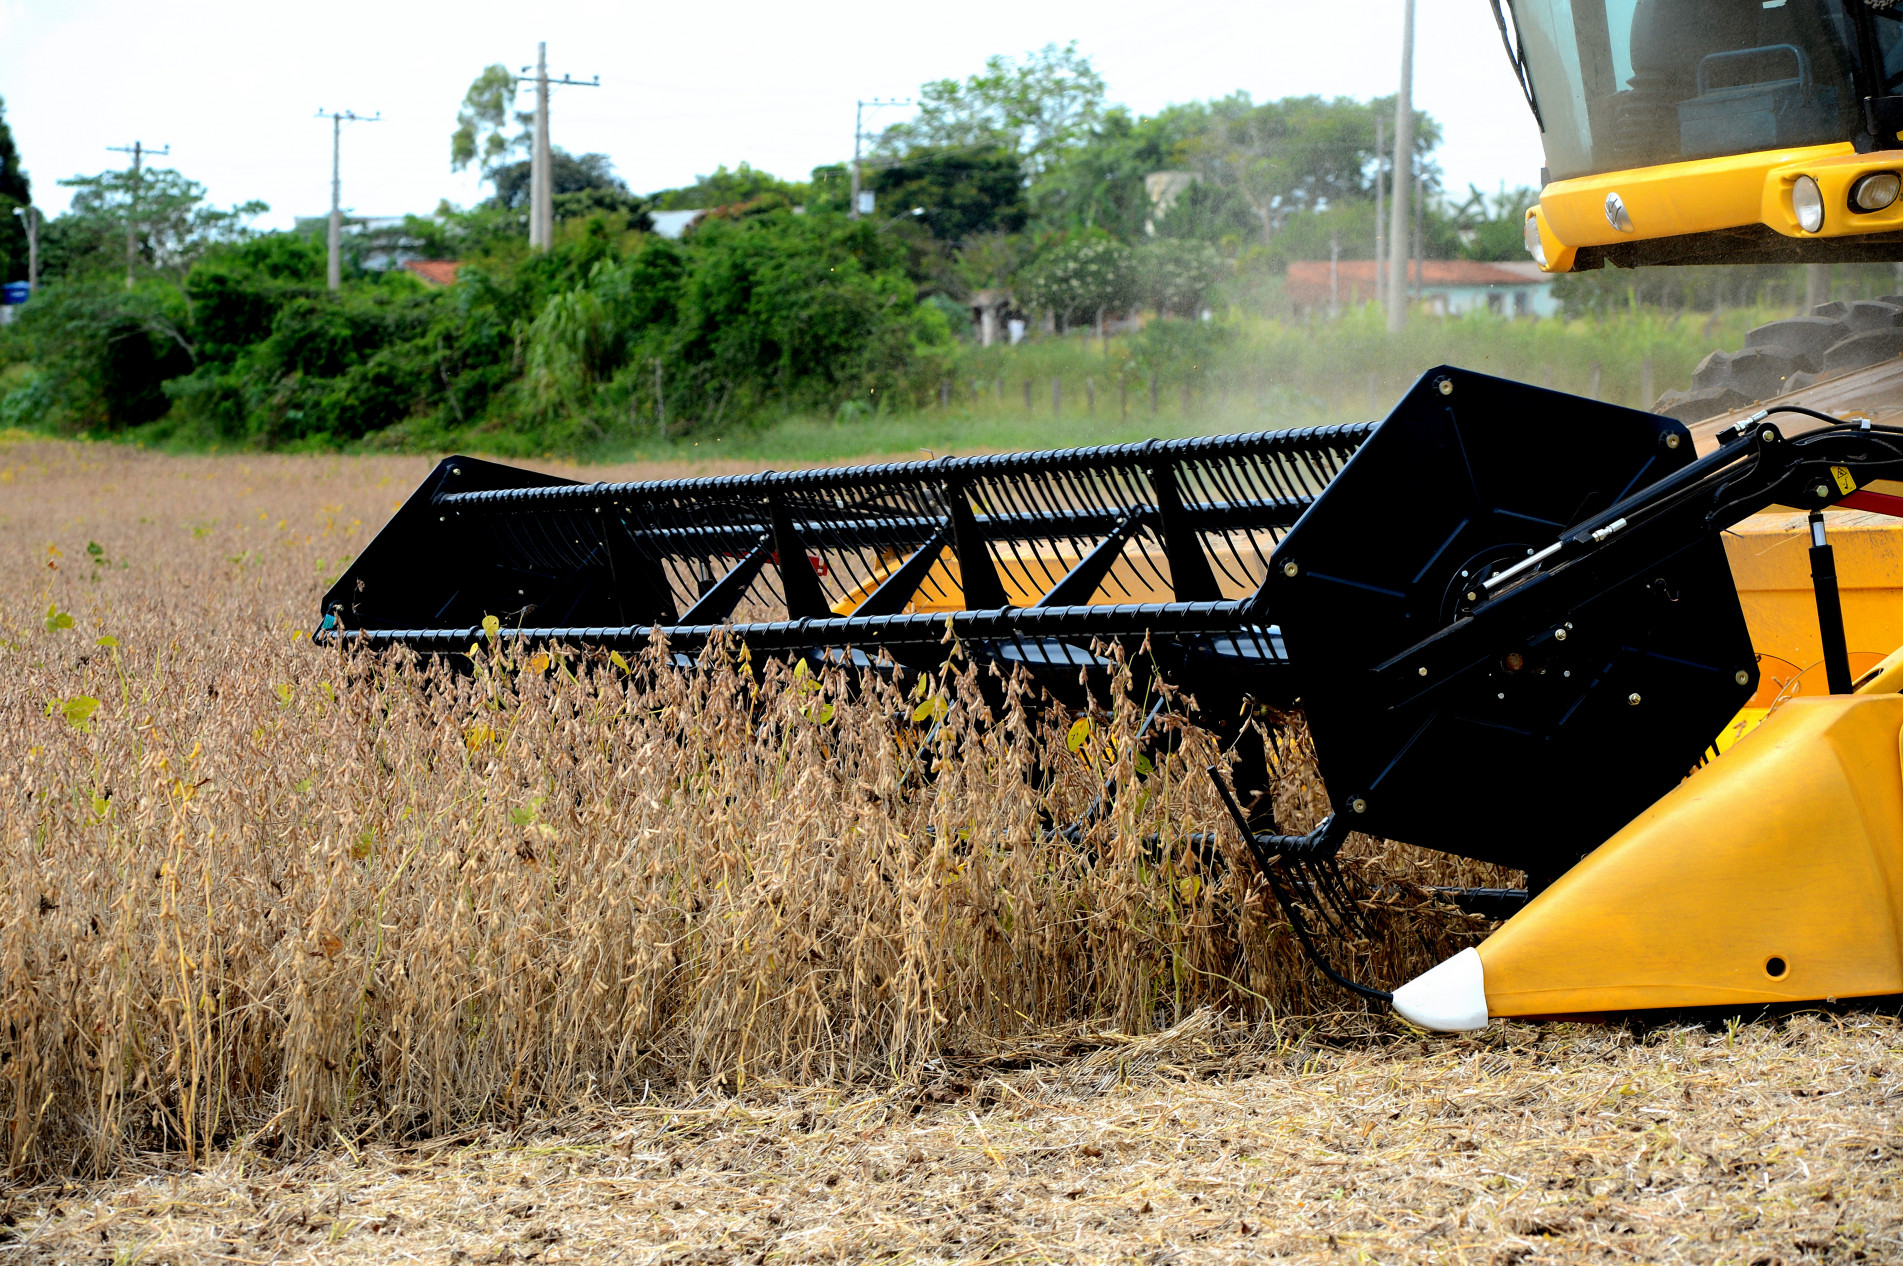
(1506, 612)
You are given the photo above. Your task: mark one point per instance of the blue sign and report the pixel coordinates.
(14, 292)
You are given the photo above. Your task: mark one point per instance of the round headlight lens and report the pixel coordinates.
(1534, 246)
(1875, 191)
(1808, 202)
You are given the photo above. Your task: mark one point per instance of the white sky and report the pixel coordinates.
(232, 85)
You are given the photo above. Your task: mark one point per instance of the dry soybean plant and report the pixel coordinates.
(261, 889)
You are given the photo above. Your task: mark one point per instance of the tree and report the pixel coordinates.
(1099, 182)
(1296, 155)
(174, 229)
(567, 173)
(964, 193)
(173, 223)
(1493, 227)
(1036, 108)
(15, 191)
(1080, 277)
(484, 118)
(13, 181)
(1213, 213)
(727, 188)
(1176, 276)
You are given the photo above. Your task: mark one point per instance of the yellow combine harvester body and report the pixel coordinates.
(1774, 874)
(1712, 131)
(1707, 196)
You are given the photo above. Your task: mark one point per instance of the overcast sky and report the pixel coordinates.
(233, 85)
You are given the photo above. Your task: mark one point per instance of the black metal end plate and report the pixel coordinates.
(1547, 717)
(425, 570)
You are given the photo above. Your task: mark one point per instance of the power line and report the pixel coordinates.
(541, 184)
(336, 236)
(138, 151)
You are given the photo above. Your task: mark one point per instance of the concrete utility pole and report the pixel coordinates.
(1816, 285)
(1334, 276)
(1420, 231)
(337, 120)
(541, 189)
(858, 136)
(1380, 208)
(138, 151)
(31, 216)
(1403, 166)
(541, 177)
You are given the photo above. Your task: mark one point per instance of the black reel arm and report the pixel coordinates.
(1757, 467)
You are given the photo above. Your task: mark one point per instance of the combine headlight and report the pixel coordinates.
(1808, 202)
(1875, 191)
(1534, 246)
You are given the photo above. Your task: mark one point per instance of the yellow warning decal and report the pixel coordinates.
(1845, 484)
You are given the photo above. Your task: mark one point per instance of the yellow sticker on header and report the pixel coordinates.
(1845, 484)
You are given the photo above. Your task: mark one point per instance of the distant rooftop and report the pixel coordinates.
(1445, 286)
(437, 272)
(1432, 272)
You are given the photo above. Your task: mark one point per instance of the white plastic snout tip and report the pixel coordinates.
(1449, 998)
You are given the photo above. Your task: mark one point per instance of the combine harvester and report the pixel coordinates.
(1516, 620)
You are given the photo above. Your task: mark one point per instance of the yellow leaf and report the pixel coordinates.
(1079, 734)
(491, 627)
(614, 657)
(539, 664)
(77, 710)
(478, 735)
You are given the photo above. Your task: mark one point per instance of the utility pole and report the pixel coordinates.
(1334, 276)
(1403, 167)
(337, 120)
(541, 179)
(1380, 183)
(1816, 285)
(858, 136)
(138, 151)
(541, 188)
(31, 216)
(1420, 230)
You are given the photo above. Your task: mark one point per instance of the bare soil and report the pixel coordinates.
(1756, 1143)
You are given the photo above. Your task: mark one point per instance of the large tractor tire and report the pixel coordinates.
(1788, 355)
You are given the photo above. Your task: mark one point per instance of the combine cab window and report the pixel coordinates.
(1633, 83)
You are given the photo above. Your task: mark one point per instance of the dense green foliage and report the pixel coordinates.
(1021, 180)
(15, 191)
(610, 331)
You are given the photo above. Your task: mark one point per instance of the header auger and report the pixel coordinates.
(1506, 612)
